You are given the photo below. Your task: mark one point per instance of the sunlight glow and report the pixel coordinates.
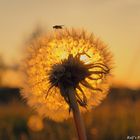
(46, 51)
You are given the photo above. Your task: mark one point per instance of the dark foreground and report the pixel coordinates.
(117, 118)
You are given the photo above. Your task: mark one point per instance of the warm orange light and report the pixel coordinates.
(35, 123)
(46, 51)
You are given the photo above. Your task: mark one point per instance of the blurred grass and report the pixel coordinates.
(115, 119)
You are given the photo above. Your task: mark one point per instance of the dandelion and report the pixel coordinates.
(66, 70)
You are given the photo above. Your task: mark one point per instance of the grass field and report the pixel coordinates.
(115, 119)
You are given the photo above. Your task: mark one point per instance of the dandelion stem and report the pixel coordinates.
(77, 115)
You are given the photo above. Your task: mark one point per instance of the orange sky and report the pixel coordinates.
(117, 22)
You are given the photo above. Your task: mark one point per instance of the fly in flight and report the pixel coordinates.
(58, 26)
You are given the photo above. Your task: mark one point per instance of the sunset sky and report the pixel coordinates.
(116, 22)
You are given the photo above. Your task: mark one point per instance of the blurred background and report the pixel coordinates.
(116, 22)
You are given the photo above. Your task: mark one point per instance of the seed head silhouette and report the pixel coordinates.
(60, 60)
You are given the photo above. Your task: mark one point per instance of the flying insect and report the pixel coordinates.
(58, 26)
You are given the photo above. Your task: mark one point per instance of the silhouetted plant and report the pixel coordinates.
(64, 69)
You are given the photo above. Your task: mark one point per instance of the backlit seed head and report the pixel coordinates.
(62, 59)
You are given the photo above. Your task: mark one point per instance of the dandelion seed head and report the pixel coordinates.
(67, 57)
